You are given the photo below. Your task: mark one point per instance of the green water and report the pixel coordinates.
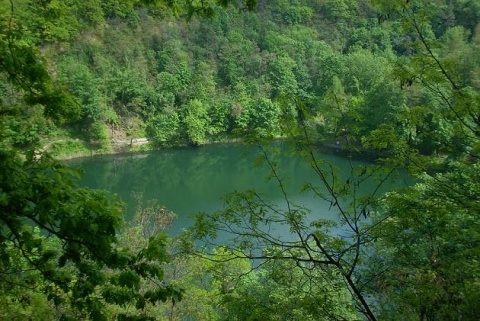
(191, 180)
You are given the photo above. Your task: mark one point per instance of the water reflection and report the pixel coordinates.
(192, 180)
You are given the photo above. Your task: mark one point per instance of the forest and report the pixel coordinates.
(394, 81)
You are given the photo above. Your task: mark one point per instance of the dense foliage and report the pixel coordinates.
(399, 80)
(60, 252)
(176, 82)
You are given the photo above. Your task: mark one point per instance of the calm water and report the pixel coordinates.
(191, 180)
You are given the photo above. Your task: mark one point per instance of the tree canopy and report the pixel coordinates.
(398, 81)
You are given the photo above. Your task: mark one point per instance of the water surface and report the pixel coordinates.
(191, 180)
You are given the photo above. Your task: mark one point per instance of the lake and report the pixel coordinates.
(191, 180)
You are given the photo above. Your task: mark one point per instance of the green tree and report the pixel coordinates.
(335, 109)
(427, 234)
(41, 192)
(89, 269)
(28, 301)
(84, 86)
(238, 58)
(207, 280)
(411, 236)
(241, 106)
(281, 76)
(265, 117)
(165, 127)
(427, 249)
(280, 290)
(168, 87)
(290, 232)
(197, 122)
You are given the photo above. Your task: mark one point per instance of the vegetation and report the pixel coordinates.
(398, 79)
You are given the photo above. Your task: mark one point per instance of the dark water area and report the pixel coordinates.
(192, 180)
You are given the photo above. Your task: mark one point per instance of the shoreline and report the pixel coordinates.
(144, 145)
(135, 146)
